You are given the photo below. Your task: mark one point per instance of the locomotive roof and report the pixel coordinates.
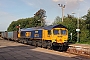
(31, 29)
(46, 27)
(54, 26)
(27, 29)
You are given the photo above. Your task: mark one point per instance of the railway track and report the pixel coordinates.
(79, 50)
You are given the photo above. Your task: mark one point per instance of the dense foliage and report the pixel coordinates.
(37, 20)
(24, 23)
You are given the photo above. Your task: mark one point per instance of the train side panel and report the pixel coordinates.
(29, 34)
(46, 34)
(26, 34)
(22, 35)
(38, 34)
(2, 34)
(10, 35)
(5, 35)
(15, 35)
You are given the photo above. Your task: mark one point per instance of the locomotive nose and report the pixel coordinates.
(59, 41)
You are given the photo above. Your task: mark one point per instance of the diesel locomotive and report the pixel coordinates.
(49, 36)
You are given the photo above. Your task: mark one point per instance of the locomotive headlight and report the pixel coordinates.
(65, 40)
(54, 40)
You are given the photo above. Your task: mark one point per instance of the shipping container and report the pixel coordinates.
(15, 35)
(2, 34)
(5, 34)
(10, 35)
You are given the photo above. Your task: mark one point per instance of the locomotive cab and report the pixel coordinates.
(59, 35)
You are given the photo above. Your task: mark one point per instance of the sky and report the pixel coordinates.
(12, 10)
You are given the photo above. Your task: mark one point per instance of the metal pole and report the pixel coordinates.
(62, 6)
(62, 14)
(78, 28)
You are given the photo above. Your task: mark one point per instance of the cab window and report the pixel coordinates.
(63, 32)
(49, 32)
(55, 32)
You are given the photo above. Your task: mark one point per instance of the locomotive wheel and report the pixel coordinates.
(49, 46)
(43, 44)
(36, 45)
(33, 43)
(23, 42)
(61, 48)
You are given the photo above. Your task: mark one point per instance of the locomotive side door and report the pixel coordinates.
(47, 34)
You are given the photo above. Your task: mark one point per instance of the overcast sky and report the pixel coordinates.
(12, 10)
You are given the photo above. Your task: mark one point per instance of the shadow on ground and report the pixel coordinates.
(29, 53)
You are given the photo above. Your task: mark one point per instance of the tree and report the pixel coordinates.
(39, 17)
(24, 23)
(57, 20)
(12, 26)
(87, 18)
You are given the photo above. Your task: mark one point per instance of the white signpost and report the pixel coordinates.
(77, 30)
